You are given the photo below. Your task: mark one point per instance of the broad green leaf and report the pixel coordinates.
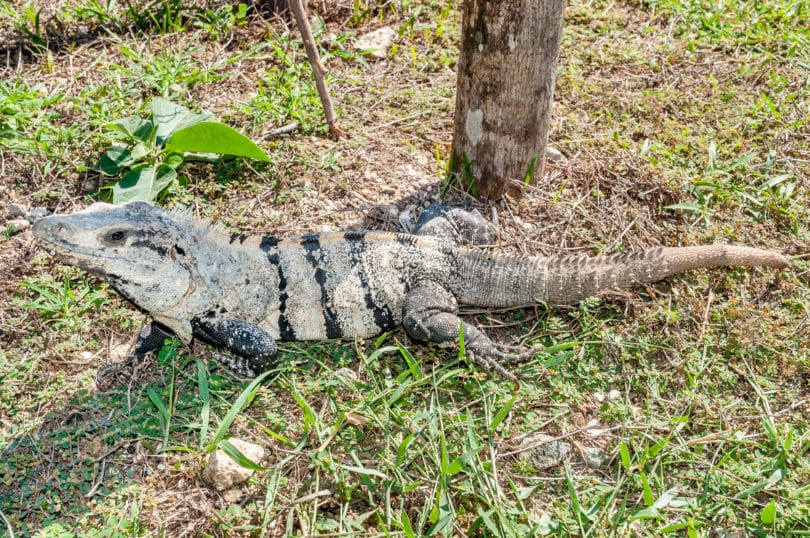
(462, 348)
(157, 402)
(173, 160)
(143, 184)
(236, 455)
(445, 459)
(669, 500)
(788, 442)
(768, 514)
(774, 478)
(402, 449)
(215, 137)
(114, 160)
(460, 462)
(310, 420)
(650, 512)
(134, 127)
(776, 180)
(167, 116)
(413, 364)
(193, 119)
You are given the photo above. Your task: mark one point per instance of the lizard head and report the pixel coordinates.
(136, 247)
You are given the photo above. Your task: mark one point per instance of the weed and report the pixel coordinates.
(158, 146)
(64, 303)
(26, 117)
(219, 23)
(162, 71)
(287, 93)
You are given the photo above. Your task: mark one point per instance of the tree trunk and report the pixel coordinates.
(505, 85)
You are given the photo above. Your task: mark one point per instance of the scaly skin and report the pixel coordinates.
(245, 292)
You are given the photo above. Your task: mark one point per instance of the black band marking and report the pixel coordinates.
(312, 246)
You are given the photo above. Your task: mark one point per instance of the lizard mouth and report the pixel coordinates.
(54, 241)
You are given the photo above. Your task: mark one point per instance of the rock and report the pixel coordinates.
(17, 211)
(376, 42)
(545, 451)
(406, 221)
(36, 213)
(17, 225)
(594, 458)
(555, 155)
(119, 352)
(222, 473)
(346, 376)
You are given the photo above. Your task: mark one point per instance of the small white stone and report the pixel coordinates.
(376, 42)
(406, 221)
(17, 225)
(119, 352)
(614, 394)
(87, 355)
(17, 210)
(593, 428)
(594, 458)
(222, 473)
(599, 396)
(545, 451)
(553, 154)
(346, 375)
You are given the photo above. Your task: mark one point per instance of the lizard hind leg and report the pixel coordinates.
(456, 224)
(430, 313)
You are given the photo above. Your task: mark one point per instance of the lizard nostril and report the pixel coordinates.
(61, 230)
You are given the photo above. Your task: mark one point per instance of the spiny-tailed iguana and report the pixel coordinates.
(246, 292)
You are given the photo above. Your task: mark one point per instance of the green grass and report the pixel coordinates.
(684, 123)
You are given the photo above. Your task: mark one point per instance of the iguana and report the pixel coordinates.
(245, 292)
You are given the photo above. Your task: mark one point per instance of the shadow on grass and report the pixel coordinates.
(99, 444)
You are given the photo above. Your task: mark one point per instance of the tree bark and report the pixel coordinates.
(506, 71)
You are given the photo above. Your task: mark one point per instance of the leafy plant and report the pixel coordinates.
(218, 23)
(159, 145)
(25, 116)
(64, 303)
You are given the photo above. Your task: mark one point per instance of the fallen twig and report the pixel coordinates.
(282, 130)
(297, 7)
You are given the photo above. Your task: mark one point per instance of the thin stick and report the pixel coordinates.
(297, 7)
(8, 525)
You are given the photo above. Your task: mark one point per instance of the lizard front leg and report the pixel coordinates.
(430, 314)
(253, 347)
(151, 338)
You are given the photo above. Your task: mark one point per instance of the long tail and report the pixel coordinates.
(501, 281)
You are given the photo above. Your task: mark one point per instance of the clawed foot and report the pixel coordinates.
(121, 373)
(492, 359)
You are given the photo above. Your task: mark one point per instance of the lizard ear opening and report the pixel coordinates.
(178, 252)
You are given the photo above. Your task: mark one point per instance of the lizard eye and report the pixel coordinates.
(116, 236)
